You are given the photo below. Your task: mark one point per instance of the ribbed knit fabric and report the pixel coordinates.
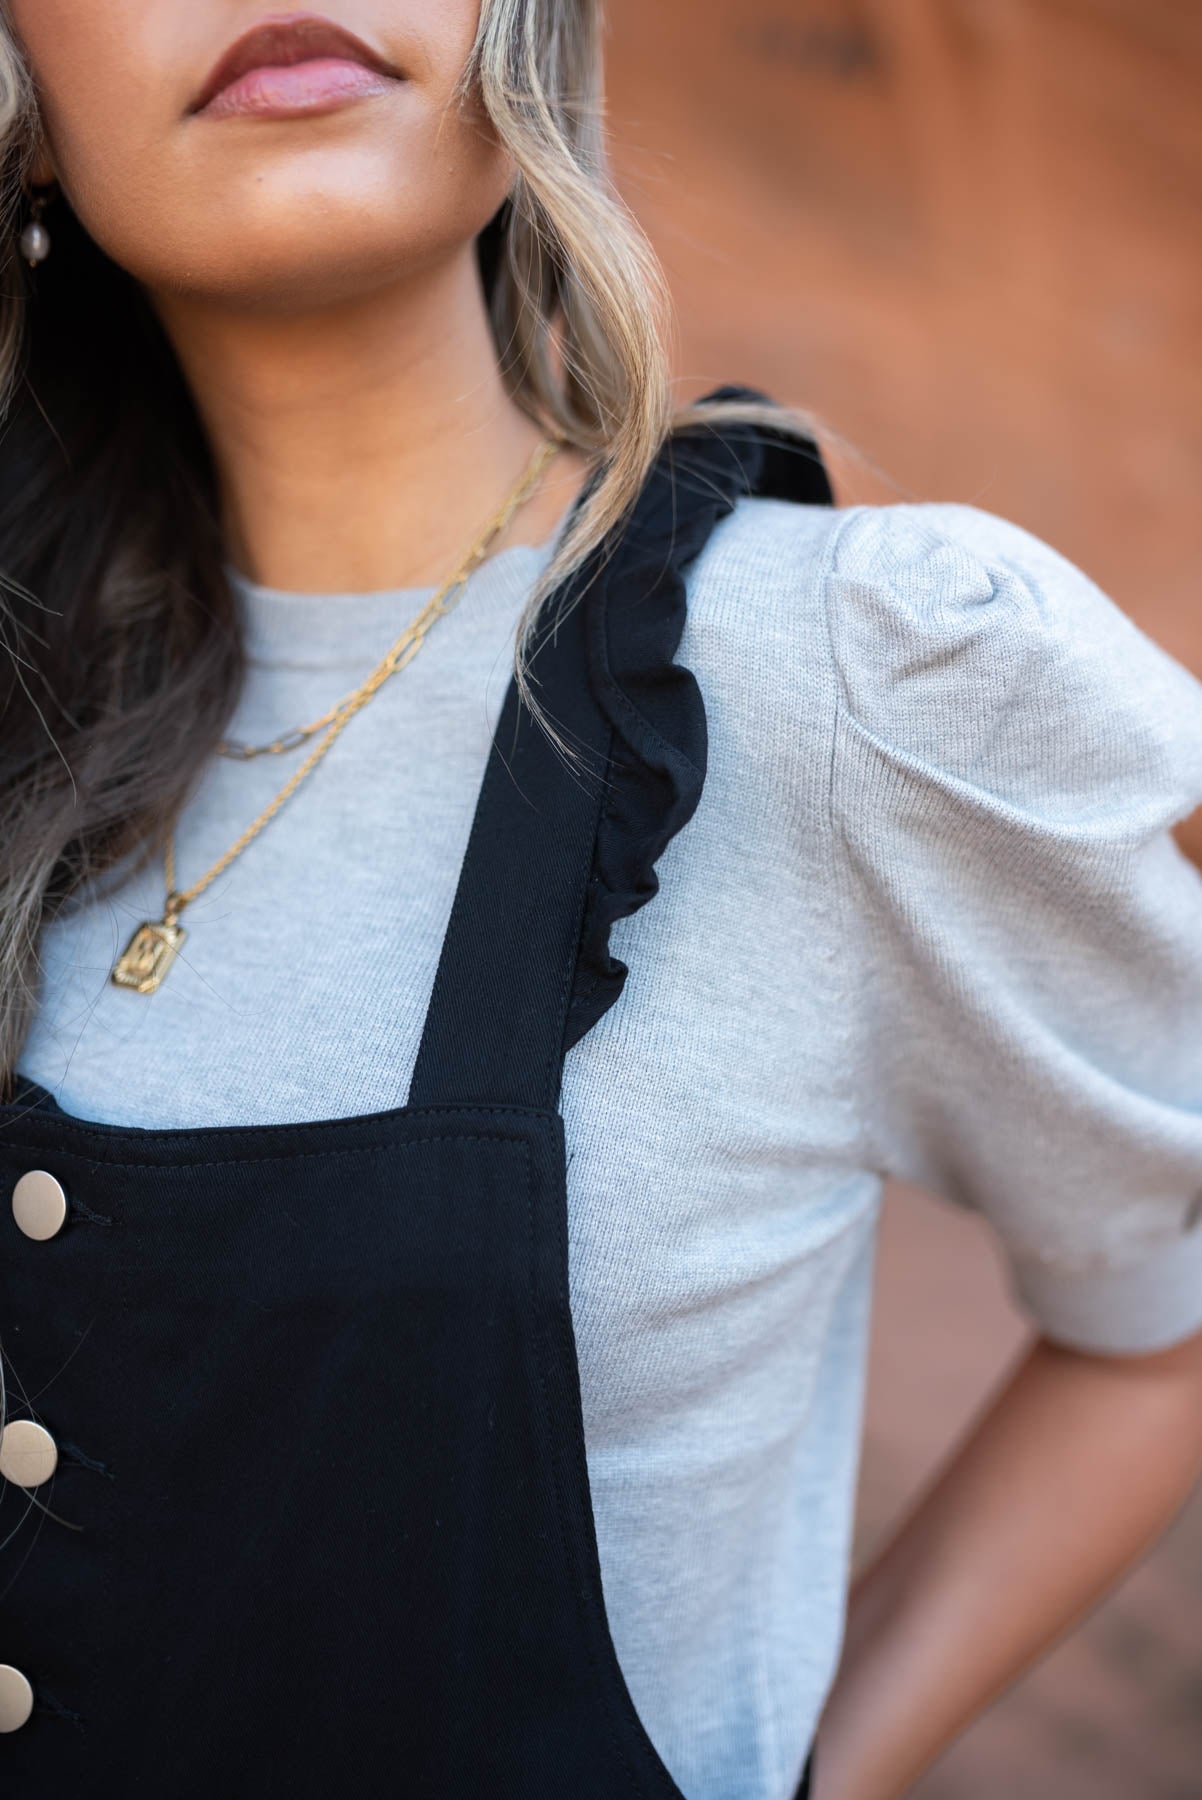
(928, 919)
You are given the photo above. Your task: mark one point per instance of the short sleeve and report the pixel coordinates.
(1010, 755)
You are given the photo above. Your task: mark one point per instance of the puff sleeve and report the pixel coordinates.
(1010, 753)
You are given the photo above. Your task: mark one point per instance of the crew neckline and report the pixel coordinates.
(250, 587)
(299, 629)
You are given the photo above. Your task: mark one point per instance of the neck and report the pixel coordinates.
(363, 446)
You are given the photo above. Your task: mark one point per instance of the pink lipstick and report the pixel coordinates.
(290, 64)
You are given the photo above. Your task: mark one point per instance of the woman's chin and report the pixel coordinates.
(291, 288)
(286, 238)
(281, 272)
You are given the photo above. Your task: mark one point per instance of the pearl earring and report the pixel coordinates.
(35, 239)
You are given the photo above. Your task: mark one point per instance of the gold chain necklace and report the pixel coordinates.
(152, 949)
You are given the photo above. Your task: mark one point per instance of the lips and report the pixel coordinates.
(283, 41)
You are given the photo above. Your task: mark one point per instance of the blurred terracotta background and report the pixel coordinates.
(965, 233)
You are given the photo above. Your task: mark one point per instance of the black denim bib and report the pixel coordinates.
(320, 1522)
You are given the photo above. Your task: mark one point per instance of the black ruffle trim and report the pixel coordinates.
(635, 617)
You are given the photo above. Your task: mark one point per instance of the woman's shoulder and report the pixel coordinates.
(894, 576)
(958, 640)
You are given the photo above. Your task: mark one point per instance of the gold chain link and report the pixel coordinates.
(435, 608)
(398, 656)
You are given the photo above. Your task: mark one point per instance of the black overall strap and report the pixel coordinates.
(495, 1022)
(558, 852)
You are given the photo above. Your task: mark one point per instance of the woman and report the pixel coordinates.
(367, 637)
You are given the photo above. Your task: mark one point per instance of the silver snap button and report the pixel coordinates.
(39, 1204)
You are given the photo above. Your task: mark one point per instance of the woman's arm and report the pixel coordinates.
(1072, 1471)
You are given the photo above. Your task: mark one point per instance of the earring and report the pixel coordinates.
(34, 241)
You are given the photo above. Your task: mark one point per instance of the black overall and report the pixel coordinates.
(320, 1522)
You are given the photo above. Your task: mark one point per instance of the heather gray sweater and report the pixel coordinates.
(928, 919)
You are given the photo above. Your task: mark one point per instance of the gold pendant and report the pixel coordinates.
(147, 957)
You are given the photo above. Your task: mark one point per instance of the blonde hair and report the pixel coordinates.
(580, 309)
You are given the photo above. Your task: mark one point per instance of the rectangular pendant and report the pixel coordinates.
(148, 956)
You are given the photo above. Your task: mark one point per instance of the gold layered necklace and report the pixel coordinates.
(152, 949)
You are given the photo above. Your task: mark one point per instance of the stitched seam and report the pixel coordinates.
(89, 1128)
(170, 1134)
(88, 1217)
(585, 989)
(241, 1162)
(668, 751)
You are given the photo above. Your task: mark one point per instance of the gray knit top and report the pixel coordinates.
(927, 920)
